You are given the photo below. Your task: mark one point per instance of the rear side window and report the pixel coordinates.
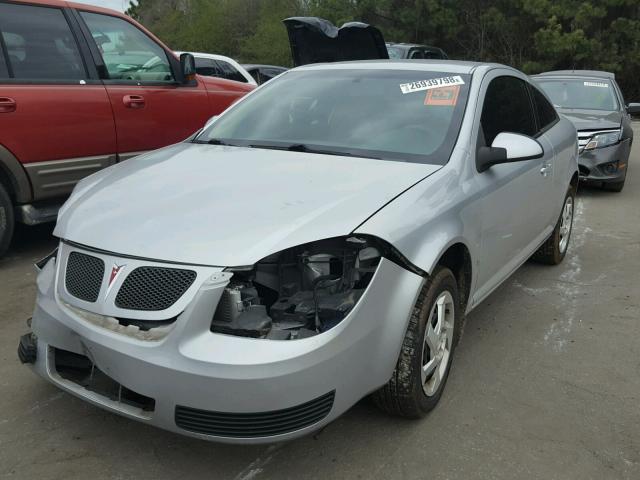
(4, 71)
(128, 53)
(507, 108)
(547, 115)
(230, 72)
(207, 67)
(39, 43)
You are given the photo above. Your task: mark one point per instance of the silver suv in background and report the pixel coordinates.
(414, 51)
(593, 101)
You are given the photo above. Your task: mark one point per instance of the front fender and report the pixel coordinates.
(428, 219)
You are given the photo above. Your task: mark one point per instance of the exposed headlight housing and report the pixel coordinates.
(605, 139)
(40, 264)
(299, 292)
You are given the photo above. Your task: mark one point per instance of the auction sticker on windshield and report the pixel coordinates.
(596, 84)
(430, 84)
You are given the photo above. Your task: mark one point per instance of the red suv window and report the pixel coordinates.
(39, 43)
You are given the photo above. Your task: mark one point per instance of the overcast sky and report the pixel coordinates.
(120, 5)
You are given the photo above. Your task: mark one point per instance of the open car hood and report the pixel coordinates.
(315, 40)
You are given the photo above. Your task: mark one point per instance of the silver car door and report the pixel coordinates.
(514, 208)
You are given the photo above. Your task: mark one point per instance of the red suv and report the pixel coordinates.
(82, 88)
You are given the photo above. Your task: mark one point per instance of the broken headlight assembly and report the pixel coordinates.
(40, 264)
(299, 292)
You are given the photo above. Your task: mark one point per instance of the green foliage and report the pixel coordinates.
(533, 35)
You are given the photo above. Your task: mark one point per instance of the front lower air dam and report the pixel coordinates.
(226, 387)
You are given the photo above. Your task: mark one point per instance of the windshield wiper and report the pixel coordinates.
(215, 141)
(301, 147)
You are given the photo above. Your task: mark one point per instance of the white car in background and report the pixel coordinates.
(212, 65)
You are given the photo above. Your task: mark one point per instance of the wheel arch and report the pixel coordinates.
(457, 258)
(14, 178)
(575, 180)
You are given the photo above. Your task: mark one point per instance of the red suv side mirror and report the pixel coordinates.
(188, 67)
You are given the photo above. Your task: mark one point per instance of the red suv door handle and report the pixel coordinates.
(133, 101)
(7, 105)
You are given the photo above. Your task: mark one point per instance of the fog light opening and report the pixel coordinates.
(611, 168)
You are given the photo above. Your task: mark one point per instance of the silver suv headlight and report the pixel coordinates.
(604, 140)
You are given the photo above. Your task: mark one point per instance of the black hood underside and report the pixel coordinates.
(315, 40)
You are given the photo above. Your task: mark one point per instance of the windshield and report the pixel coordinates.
(585, 94)
(395, 52)
(387, 114)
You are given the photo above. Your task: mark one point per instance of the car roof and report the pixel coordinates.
(577, 73)
(260, 65)
(451, 66)
(410, 45)
(212, 56)
(80, 6)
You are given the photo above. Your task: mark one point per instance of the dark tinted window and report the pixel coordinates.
(208, 67)
(417, 54)
(507, 108)
(40, 43)
(546, 113)
(230, 72)
(4, 73)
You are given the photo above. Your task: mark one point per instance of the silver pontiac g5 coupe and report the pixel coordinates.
(320, 241)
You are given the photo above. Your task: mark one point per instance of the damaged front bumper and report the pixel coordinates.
(192, 381)
(607, 164)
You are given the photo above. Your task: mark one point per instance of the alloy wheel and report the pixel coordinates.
(438, 342)
(566, 220)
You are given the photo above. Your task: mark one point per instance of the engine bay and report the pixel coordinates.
(299, 292)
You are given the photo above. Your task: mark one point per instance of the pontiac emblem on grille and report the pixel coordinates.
(116, 270)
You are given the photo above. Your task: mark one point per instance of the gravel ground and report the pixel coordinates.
(545, 384)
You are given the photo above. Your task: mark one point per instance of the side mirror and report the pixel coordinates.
(508, 148)
(633, 109)
(188, 67)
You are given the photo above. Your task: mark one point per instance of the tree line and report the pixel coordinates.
(531, 35)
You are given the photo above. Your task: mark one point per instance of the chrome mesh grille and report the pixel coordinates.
(83, 276)
(253, 425)
(153, 288)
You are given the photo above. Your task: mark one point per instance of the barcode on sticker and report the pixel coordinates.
(596, 84)
(429, 84)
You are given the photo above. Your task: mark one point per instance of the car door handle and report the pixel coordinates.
(545, 171)
(7, 105)
(133, 101)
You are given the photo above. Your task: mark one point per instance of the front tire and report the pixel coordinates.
(427, 350)
(553, 251)
(6, 220)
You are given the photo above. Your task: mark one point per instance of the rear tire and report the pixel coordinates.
(613, 186)
(422, 370)
(6, 220)
(554, 249)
